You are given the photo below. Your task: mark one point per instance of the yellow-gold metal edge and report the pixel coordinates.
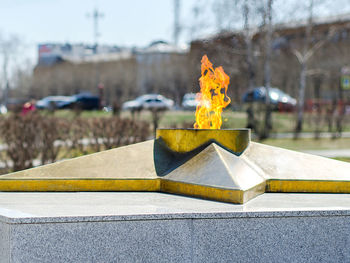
(210, 192)
(83, 185)
(186, 140)
(150, 185)
(307, 186)
(168, 186)
(201, 191)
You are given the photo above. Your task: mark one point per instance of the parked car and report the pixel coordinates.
(148, 102)
(189, 101)
(85, 101)
(280, 100)
(54, 102)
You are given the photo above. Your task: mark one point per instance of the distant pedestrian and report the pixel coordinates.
(28, 107)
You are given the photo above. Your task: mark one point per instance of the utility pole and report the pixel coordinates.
(176, 21)
(96, 15)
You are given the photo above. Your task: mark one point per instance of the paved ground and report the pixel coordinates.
(307, 135)
(330, 153)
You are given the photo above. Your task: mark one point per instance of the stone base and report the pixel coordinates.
(155, 227)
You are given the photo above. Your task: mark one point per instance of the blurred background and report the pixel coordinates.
(78, 77)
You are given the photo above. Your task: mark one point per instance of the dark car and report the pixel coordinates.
(86, 101)
(280, 100)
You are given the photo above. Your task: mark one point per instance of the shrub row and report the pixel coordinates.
(31, 137)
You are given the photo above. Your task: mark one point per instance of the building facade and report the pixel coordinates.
(124, 73)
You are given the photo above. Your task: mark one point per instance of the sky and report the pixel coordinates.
(124, 23)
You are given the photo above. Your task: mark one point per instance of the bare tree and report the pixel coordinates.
(248, 35)
(243, 51)
(22, 78)
(8, 48)
(304, 55)
(267, 70)
(249, 59)
(264, 11)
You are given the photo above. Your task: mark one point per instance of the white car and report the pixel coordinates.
(189, 101)
(58, 102)
(148, 102)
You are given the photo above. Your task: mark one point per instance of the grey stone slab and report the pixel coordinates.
(131, 241)
(4, 243)
(155, 227)
(288, 239)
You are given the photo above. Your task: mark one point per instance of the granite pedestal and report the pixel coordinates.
(157, 227)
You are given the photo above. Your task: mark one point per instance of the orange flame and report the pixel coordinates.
(212, 98)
